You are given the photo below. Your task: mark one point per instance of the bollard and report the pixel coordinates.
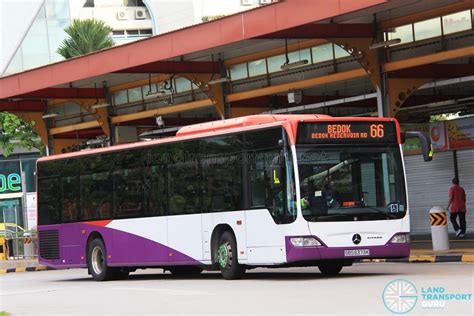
(3, 249)
(439, 228)
(28, 246)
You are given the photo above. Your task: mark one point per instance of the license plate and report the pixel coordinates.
(356, 252)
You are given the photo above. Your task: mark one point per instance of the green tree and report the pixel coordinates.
(85, 36)
(14, 132)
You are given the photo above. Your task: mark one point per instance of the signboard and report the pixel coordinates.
(438, 136)
(461, 133)
(31, 214)
(351, 132)
(437, 132)
(10, 183)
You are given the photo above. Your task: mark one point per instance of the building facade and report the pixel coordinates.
(18, 188)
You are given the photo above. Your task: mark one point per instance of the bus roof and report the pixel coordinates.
(244, 121)
(218, 128)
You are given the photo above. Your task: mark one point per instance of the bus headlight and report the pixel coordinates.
(400, 239)
(304, 242)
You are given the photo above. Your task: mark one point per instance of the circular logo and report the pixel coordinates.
(400, 296)
(356, 239)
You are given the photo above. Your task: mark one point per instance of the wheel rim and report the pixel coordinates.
(97, 260)
(224, 255)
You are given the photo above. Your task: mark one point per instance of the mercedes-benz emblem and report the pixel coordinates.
(356, 239)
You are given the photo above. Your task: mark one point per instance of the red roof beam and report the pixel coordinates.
(174, 67)
(22, 106)
(82, 134)
(65, 93)
(215, 34)
(324, 31)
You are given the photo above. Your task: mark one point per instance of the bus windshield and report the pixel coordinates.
(351, 183)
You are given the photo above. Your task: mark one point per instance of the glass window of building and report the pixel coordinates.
(275, 62)
(149, 89)
(457, 22)
(238, 71)
(135, 94)
(257, 67)
(404, 33)
(427, 29)
(56, 22)
(182, 85)
(29, 168)
(340, 52)
(303, 54)
(34, 47)
(120, 97)
(322, 53)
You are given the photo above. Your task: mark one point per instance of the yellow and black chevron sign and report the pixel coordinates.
(438, 219)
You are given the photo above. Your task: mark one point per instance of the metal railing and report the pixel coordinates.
(19, 248)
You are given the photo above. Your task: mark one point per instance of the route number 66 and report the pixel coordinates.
(377, 131)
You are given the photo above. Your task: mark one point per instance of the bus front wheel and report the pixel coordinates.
(226, 257)
(97, 261)
(330, 268)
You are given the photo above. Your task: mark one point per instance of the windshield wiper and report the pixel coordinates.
(377, 211)
(323, 218)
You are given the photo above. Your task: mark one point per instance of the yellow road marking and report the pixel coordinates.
(422, 258)
(22, 269)
(467, 258)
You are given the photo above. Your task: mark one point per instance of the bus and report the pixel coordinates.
(230, 195)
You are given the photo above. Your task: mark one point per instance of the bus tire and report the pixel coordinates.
(226, 257)
(330, 268)
(120, 273)
(97, 261)
(185, 270)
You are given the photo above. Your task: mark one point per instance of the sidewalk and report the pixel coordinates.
(461, 249)
(21, 265)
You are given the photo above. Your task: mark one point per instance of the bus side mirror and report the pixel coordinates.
(278, 172)
(426, 146)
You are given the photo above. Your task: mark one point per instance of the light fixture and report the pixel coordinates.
(219, 80)
(385, 43)
(100, 105)
(159, 121)
(151, 94)
(295, 96)
(50, 115)
(287, 65)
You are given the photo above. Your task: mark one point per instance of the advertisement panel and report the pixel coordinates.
(437, 132)
(461, 133)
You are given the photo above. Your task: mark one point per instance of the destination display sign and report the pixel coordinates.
(346, 132)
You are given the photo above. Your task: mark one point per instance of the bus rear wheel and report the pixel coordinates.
(226, 257)
(97, 261)
(330, 268)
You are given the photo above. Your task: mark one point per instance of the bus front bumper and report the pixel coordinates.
(322, 252)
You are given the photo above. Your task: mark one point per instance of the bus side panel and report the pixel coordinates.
(185, 235)
(265, 239)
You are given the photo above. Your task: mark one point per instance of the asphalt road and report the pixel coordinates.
(357, 290)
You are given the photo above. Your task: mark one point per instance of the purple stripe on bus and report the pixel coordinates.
(295, 254)
(123, 249)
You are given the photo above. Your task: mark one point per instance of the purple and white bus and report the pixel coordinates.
(257, 191)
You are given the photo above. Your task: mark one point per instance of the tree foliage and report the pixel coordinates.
(208, 18)
(14, 132)
(85, 36)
